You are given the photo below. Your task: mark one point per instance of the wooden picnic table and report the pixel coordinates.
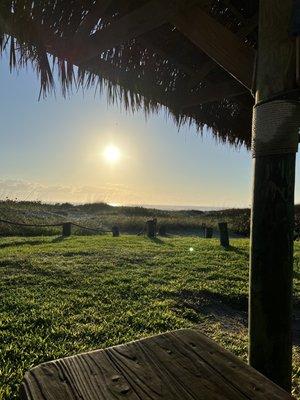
(180, 365)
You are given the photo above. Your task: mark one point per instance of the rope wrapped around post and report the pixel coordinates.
(275, 128)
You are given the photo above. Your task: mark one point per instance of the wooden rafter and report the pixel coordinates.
(218, 42)
(197, 77)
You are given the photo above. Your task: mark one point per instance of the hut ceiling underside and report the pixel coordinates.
(147, 53)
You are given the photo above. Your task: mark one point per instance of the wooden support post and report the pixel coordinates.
(151, 227)
(208, 233)
(66, 229)
(115, 231)
(224, 237)
(271, 259)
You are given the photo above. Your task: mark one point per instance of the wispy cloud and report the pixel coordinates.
(26, 190)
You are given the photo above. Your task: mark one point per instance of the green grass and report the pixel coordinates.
(62, 297)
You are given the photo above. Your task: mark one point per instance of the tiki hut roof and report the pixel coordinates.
(148, 54)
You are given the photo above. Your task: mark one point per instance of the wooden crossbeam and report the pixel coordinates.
(197, 77)
(91, 18)
(143, 19)
(218, 42)
(213, 93)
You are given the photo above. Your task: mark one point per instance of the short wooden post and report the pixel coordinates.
(66, 231)
(208, 232)
(151, 227)
(224, 237)
(272, 219)
(162, 231)
(115, 231)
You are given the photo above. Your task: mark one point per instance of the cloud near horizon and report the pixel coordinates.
(34, 191)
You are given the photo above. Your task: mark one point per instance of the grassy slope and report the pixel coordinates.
(101, 215)
(59, 298)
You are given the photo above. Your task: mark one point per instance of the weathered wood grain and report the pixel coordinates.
(180, 365)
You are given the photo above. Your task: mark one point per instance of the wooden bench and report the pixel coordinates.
(180, 365)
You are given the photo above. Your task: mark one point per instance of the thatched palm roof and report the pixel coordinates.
(145, 52)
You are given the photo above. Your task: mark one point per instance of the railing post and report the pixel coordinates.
(115, 231)
(66, 231)
(151, 227)
(224, 237)
(208, 232)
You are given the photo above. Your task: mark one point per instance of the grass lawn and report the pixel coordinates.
(62, 297)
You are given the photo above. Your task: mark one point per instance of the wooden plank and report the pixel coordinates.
(143, 19)
(180, 365)
(212, 93)
(218, 42)
(271, 260)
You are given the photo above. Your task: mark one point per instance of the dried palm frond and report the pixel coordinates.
(148, 73)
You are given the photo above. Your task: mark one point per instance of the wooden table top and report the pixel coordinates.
(180, 365)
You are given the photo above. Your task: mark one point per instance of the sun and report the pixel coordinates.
(112, 154)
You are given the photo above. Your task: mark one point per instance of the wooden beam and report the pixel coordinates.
(215, 92)
(272, 221)
(218, 42)
(92, 17)
(197, 77)
(143, 19)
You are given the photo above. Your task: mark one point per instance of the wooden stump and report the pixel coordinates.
(224, 237)
(208, 232)
(151, 228)
(162, 231)
(115, 231)
(66, 229)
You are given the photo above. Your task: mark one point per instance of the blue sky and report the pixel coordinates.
(52, 150)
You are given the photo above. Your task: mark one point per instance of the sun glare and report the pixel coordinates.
(112, 154)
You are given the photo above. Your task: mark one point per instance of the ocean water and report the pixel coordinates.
(178, 208)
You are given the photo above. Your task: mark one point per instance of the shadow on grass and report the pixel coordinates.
(229, 310)
(157, 240)
(58, 239)
(21, 243)
(236, 250)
